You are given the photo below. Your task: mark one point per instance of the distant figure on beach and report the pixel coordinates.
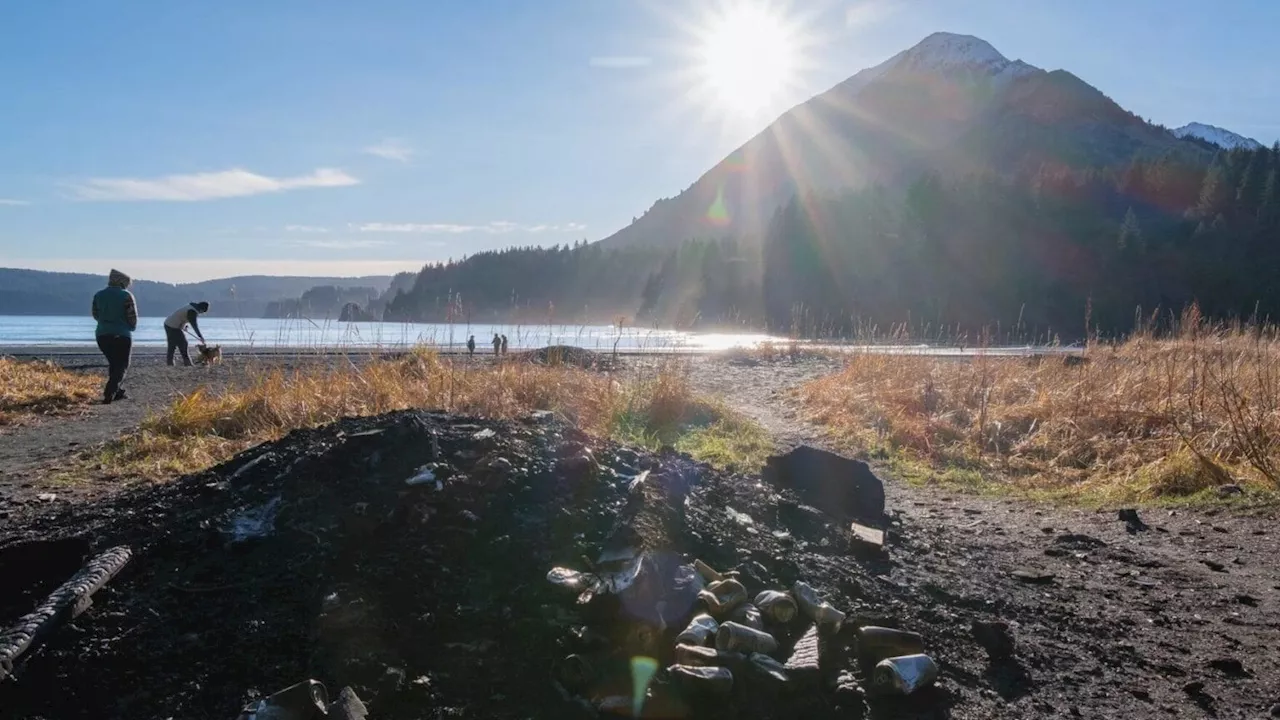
(504, 344)
(471, 346)
(175, 325)
(117, 314)
(497, 344)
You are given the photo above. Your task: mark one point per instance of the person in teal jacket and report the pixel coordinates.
(117, 314)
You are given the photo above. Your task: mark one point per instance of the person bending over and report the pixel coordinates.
(175, 326)
(117, 314)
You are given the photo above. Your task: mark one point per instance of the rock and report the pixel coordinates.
(1275, 710)
(1133, 523)
(848, 692)
(1214, 565)
(836, 484)
(1195, 687)
(581, 465)
(1033, 577)
(1230, 667)
(1229, 490)
(995, 637)
(1249, 600)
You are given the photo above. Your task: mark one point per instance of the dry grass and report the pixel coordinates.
(30, 388)
(1150, 418)
(205, 428)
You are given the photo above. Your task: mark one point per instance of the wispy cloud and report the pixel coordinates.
(496, 227)
(620, 62)
(391, 149)
(205, 186)
(863, 13)
(337, 243)
(11, 201)
(305, 229)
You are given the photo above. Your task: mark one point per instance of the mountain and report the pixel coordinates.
(952, 104)
(35, 292)
(1218, 136)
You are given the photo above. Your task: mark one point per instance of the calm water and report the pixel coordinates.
(65, 331)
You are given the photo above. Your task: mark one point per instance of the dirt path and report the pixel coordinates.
(1181, 620)
(32, 453)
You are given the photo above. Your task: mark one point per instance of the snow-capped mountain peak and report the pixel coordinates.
(1218, 136)
(945, 52)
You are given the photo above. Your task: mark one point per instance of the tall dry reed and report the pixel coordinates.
(1158, 414)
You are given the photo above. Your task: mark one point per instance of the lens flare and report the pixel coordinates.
(642, 671)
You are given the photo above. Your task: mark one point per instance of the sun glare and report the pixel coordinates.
(749, 55)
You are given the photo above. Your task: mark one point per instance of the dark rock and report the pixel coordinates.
(1133, 523)
(836, 484)
(1078, 541)
(1230, 667)
(1140, 693)
(1249, 600)
(1195, 687)
(995, 637)
(347, 706)
(1214, 565)
(1275, 710)
(1229, 490)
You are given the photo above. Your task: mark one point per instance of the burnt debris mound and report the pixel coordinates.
(408, 557)
(566, 355)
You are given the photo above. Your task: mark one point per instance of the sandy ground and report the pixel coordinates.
(1179, 620)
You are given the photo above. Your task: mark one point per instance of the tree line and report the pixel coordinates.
(1060, 251)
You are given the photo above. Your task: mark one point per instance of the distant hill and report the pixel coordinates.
(951, 105)
(35, 292)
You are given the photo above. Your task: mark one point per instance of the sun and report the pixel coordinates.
(749, 54)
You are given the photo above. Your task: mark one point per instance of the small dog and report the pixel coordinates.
(209, 354)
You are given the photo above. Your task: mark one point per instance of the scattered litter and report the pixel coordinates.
(906, 674)
(739, 517)
(426, 474)
(254, 523)
(776, 606)
(702, 628)
(814, 607)
(367, 433)
(249, 466)
(484, 434)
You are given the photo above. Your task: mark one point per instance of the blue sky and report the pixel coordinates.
(198, 139)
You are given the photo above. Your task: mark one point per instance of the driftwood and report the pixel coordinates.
(68, 601)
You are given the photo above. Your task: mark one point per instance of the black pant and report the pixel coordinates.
(177, 341)
(117, 349)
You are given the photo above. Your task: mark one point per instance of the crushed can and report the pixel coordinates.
(698, 656)
(815, 607)
(749, 615)
(733, 637)
(305, 701)
(709, 680)
(768, 667)
(777, 607)
(877, 643)
(702, 628)
(722, 597)
(905, 674)
(708, 573)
